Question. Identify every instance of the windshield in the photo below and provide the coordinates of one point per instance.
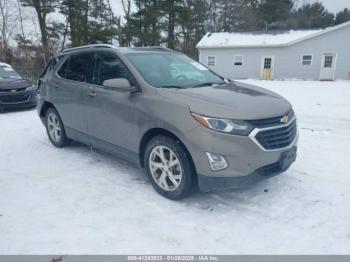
(7, 72)
(172, 70)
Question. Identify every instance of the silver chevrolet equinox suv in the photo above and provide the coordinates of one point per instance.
(157, 108)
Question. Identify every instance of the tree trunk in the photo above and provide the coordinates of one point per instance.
(3, 32)
(127, 12)
(22, 29)
(65, 34)
(43, 27)
(171, 25)
(86, 23)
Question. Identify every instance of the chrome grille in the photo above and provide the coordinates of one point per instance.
(12, 90)
(269, 122)
(14, 99)
(279, 137)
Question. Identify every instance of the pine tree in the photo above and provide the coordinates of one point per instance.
(76, 15)
(235, 15)
(172, 10)
(89, 21)
(249, 16)
(126, 34)
(101, 23)
(229, 15)
(342, 16)
(312, 16)
(193, 23)
(273, 12)
(145, 23)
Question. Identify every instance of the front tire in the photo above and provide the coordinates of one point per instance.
(168, 166)
(55, 129)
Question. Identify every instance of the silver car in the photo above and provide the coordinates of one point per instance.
(159, 109)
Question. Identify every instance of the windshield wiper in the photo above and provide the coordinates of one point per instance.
(208, 84)
(171, 86)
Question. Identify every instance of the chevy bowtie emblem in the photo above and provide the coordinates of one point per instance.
(285, 120)
(13, 91)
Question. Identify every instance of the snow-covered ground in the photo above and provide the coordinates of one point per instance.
(79, 201)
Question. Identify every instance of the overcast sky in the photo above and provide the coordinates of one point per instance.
(332, 5)
(336, 5)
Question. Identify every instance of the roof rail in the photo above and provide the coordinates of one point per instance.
(87, 47)
(158, 48)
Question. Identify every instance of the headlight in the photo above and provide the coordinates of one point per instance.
(237, 127)
(33, 87)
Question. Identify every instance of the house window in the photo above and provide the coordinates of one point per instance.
(238, 60)
(307, 60)
(328, 61)
(268, 63)
(211, 60)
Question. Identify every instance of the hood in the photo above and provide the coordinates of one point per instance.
(231, 101)
(13, 83)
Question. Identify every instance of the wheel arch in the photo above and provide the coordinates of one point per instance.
(161, 131)
(46, 105)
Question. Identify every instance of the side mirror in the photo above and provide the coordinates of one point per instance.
(120, 84)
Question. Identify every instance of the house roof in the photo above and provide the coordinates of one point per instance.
(261, 39)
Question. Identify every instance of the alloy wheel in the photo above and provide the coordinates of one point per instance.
(165, 168)
(54, 127)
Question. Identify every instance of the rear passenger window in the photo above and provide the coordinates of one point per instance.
(78, 67)
(107, 67)
(48, 67)
(63, 69)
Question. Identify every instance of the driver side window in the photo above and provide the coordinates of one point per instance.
(109, 66)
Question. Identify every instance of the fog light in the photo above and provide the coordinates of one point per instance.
(217, 162)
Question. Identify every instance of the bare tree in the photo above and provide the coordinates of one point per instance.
(8, 22)
(65, 33)
(42, 9)
(22, 28)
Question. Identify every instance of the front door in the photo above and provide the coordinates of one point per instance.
(328, 66)
(111, 114)
(267, 66)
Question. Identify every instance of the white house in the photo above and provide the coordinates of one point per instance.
(311, 54)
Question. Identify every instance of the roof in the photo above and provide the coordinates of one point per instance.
(4, 65)
(120, 49)
(68, 50)
(144, 49)
(262, 39)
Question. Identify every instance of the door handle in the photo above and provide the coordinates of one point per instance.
(56, 86)
(92, 94)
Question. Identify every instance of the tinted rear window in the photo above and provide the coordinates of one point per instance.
(77, 67)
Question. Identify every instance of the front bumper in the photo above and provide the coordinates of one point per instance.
(248, 162)
(21, 99)
(208, 183)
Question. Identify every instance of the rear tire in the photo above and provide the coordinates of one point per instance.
(55, 129)
(169, 167)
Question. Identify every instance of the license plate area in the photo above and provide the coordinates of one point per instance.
(288, 158)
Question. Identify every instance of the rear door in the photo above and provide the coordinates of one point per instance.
(111, 114)
(68, 87)
(45, 76)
